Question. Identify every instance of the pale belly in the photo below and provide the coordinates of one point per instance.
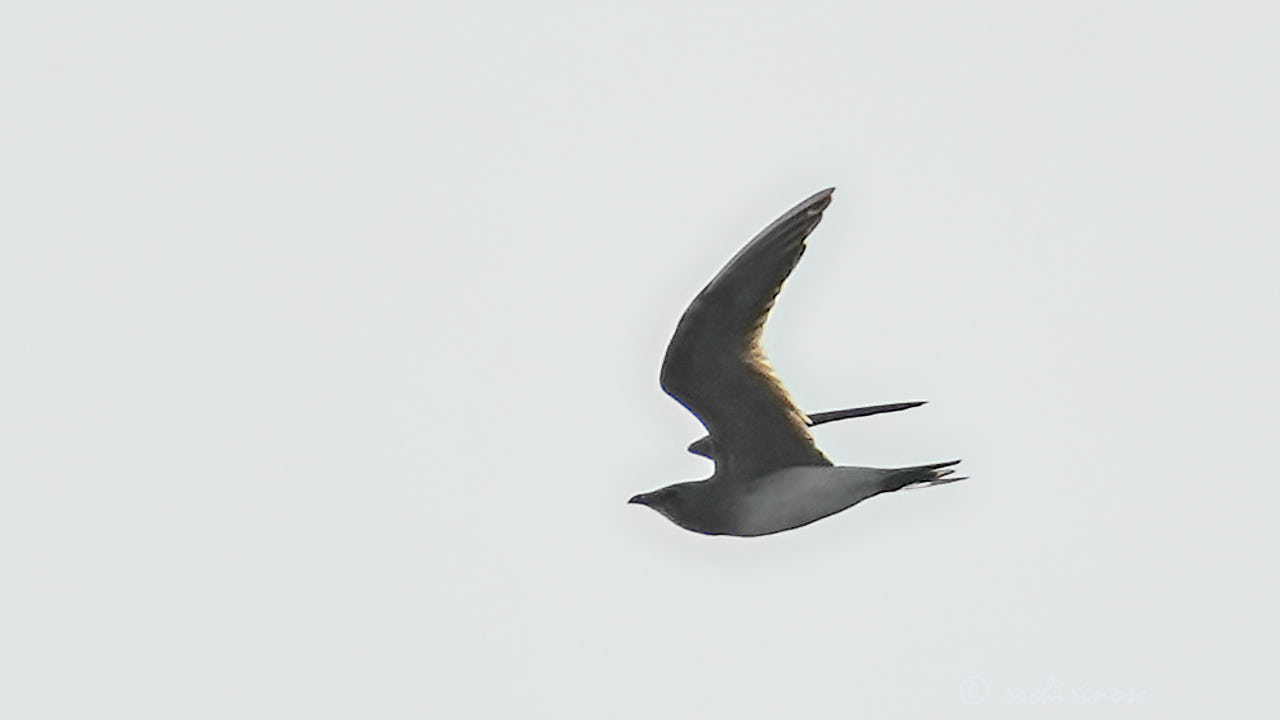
(797, 496)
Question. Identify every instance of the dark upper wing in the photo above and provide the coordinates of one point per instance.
(833, 415)
(716, 368)
(706, 448)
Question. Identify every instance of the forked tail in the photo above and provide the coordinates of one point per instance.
(922, 476)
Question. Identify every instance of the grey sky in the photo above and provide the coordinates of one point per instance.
(332, 339)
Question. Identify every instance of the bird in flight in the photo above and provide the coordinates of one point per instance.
(769, 475)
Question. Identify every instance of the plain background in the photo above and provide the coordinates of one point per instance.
(332, 331)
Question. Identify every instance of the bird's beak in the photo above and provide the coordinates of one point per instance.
(637, 500)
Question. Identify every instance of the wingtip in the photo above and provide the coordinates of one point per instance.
(816, 203)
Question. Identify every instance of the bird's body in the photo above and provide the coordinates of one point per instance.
(769, 476)
(784, 499)
(796, 496)
(789, 498)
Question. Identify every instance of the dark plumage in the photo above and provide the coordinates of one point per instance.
(706, 448)
(769, 475)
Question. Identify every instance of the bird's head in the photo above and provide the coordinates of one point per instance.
(678, 503)
(704, 447)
